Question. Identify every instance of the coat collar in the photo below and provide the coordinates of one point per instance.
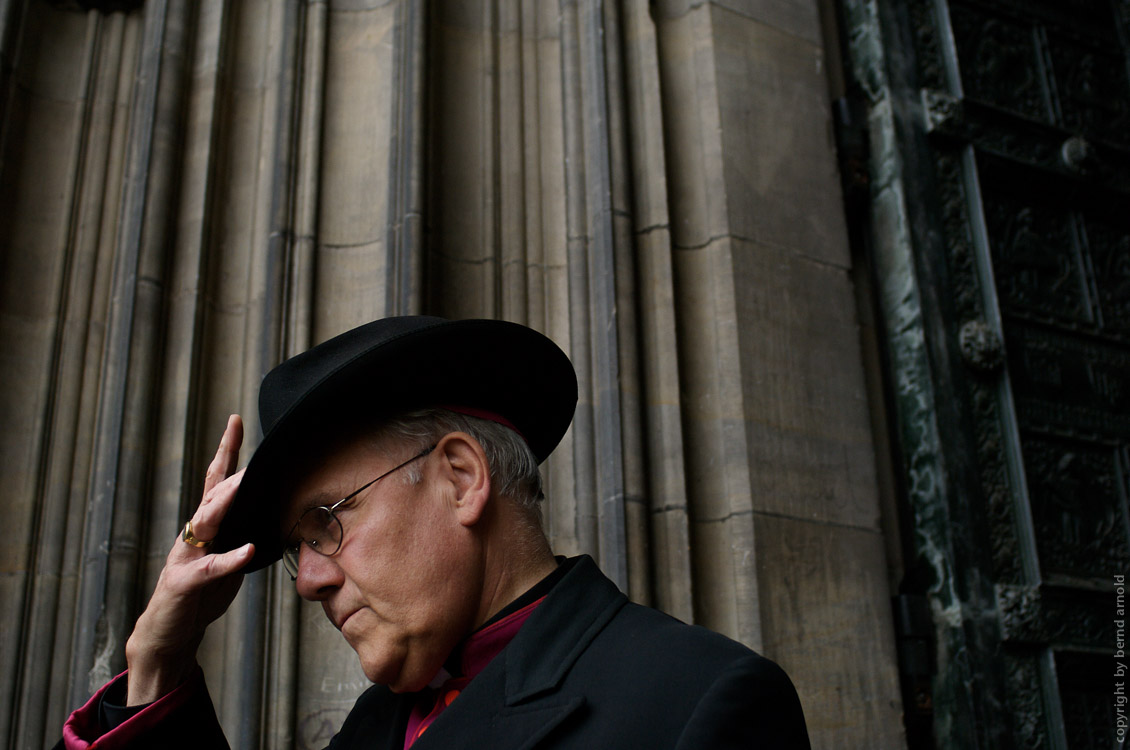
(514, 702)
(559, 631)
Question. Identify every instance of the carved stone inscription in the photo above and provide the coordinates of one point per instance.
(316, 729)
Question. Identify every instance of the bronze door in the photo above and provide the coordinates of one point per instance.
(1013, 124)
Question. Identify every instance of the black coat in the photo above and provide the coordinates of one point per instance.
(591, 671)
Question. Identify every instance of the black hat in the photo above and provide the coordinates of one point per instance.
(385, 368)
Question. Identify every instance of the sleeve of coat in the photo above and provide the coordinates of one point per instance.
(185, 718)
(752, 704)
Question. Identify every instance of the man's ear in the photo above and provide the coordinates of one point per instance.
(463, 463)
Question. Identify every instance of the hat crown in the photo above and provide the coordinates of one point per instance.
(287, 384)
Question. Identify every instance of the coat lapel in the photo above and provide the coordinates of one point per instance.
(516, 701)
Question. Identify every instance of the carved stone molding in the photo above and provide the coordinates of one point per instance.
(1027, 709)
(928, 49)
(982, 351)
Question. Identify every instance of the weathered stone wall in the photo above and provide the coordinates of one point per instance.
(195, 190)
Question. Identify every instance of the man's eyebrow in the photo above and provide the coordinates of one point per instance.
(318, 500)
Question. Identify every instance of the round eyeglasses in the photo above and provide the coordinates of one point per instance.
(320, 528)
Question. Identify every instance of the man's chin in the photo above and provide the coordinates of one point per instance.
(395, 676)
(404, 686)
(398, 689)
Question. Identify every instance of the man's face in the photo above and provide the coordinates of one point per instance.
(405, 586)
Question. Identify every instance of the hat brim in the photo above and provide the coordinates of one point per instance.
(491, 365)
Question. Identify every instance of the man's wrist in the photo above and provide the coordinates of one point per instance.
(112, 709)
(151, 678)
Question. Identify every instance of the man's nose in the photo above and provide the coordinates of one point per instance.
(318, 575)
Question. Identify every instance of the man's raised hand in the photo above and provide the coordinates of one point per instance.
(194, 589)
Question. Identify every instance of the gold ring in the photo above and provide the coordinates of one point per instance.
(189, 539)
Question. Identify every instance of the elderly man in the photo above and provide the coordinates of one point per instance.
(398, 482)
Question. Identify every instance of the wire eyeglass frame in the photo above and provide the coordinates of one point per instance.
(328, 532)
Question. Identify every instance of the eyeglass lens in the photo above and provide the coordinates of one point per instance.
(319, 528)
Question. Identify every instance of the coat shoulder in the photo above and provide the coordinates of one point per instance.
(650, 680)
(653, 637)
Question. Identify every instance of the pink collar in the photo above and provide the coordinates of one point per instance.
(483, 645)
(475, 654)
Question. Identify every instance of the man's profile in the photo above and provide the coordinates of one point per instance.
(398, 483)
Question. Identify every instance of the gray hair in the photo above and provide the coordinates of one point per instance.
(513, 467)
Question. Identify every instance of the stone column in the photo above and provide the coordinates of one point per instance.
(780, 462)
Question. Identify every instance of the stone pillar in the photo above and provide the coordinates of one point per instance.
(780, 459)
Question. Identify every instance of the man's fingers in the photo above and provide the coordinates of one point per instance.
(227, 454)
(221, 483)
(208, 517)
(188, 577)
(214, 567)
